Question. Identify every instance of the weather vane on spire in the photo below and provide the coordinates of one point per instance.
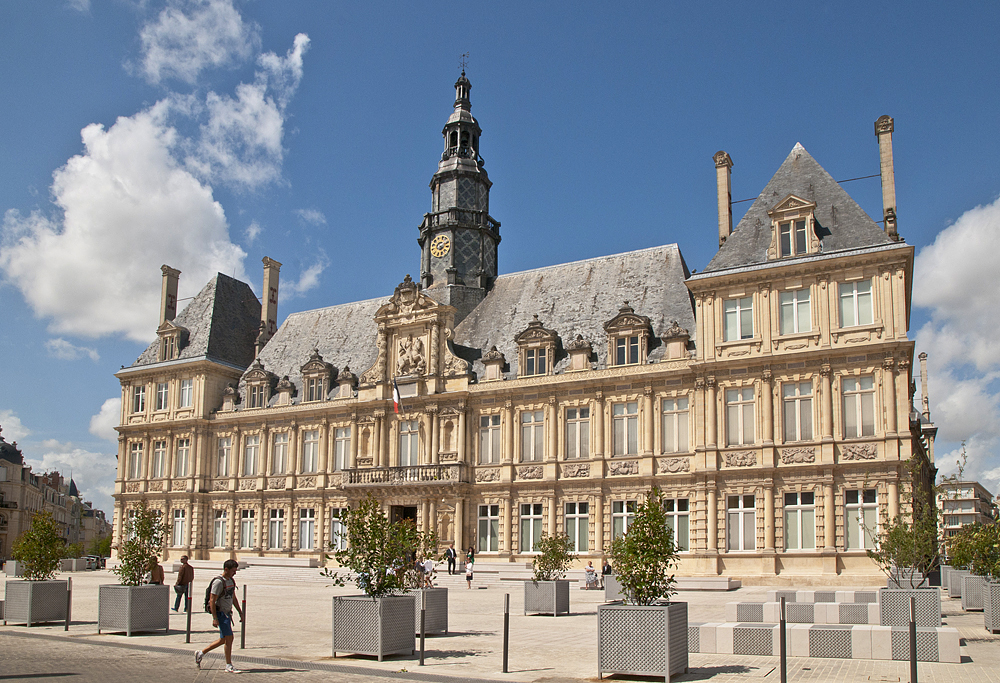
(463, 61)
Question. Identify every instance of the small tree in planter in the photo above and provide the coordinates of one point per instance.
(646, 634)
(547, 593)
(978, 547)
(131, 606)
(378, 556)
(38, 598)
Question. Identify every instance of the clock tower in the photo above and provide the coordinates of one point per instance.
(458, 238)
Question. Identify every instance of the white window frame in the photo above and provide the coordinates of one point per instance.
(183, 454)
(535, 361)
(531, 521)
(186, 395)
(577, 432)
(248, 528)
(223, 456)
(338, 532)
(276, 529)
(797, 411)
(577, 525)
(279, 456)
(219, 529)
(135, 460)
(794, 311)
(310, 451)
(490, 439)
(341, 448)
(796, 228)
(488, 527)
(162, 396)
(532, 435)
(622, 516)
(741, 523)
(676, 433)
(860, 518)
(737, 316)
(741, 428)
(307, 528)
(138, 399)
(625, 428)
(678, 512)
(409, 443)
(251, 455)
(627, 350)
(159, 460)
(858, 402)
(177, 535)
(315, 389)
(800, 516)
(257, 396)
(857, 305)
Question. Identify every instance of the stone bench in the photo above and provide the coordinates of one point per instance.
(804, 612)
(870, 595)
(843, 641)
(707, 583)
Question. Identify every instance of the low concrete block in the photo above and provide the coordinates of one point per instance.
(707, 637)
(805, 596)
(824, 611)
(861, 642)
(949, 645)
(724, 639)
(798, 640)
(874, 613)
(845, 596)
(881, 642)
(772, 612)
(776, 595)
(731, 611)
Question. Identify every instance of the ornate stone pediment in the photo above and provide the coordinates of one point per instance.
(406, 300)
(316, 366)
(536, 332)
(627, 320)
(675, 331)
(579, 344)
(257, 374)
(791, 203)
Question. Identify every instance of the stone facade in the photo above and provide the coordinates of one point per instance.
(768, 395)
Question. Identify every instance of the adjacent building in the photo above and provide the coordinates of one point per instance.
(962, 503)
(767, 395)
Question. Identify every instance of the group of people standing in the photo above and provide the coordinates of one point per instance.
(470, 560)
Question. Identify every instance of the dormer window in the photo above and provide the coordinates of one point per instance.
(257, 397)
(627, 350)
(793, 224)
(315, 377)
(258, 385)
(628, 337)
(168, 348)
(534, 361)
(173, 338)
(536, 349)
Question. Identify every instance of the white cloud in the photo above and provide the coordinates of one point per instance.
(252, 232)
(12, 427)
(311, 216)
(190, 36)
(79, 5)
(63, 350)
(103, 424)
(953, 281)
(94, 473)
(308, 279)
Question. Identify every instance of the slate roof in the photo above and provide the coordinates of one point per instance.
(10, 453)
(841, 223)
(222, 323)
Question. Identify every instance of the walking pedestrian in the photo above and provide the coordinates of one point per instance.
(451, 555)
(155, 572)
(185, 579)
(222, 591)
(428, 573)
(468, 572)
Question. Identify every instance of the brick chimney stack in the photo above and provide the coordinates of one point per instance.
(925, 404)
(723, 164)
(883, 131)
(168, 293)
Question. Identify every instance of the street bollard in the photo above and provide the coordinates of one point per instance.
(243, 621)
(913, 640)
(423, 617)
(187, 605)
(506, 628)
(782, 645)
(69, 601)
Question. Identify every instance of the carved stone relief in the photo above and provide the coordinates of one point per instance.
(364, 462)
(220, 485)
(155, 486)
(448, 457)
(741, 459)
(336, 479)
(376, 373)
(530, 472)
(132, 487)
(178, 485)
(576, 470)
(276, 483)
(248, 484)
(671, 465)
(791, 456)
(411, 359)
(622, 467)
(488, 475)
(861, 451)
(307, 483)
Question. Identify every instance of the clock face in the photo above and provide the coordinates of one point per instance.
(440, 246)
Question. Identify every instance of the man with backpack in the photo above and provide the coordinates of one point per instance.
(220, 602)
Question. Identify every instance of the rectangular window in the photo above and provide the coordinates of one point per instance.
(247, 529)
(795, 316)
(532, 435)
(135, 461)
(627, 350)
(225, 448)
(167, 348)
(859, 406)
(314, 389)
(310, 450)
(257, 396)
(675, 425)
(279, 458)
(307, 528)
(856, 303)
(622, 514)
(738, 318)
(860, 518)
(797, 402)
(181, 458)
(219, 529)
(489, 439)
(793, 238)
(409, 439)
(489, 528)
(739, 417)
(578, 432)
(159, 459)
(177, 537)
(800, 521)
(276, 530)
(534, 361)
(741, 523)
(338, 532)
(625, 427)
(187, 394)
(162, 392)
(531, 526)
(138, 399)
(678, 519)
(341, 448)
(251, 453)
(578, 526)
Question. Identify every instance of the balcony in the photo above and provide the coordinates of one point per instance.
(404, 476)
(455, 216)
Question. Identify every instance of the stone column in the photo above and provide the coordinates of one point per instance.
(198, 467)
(267, 456)
(647, 421)
(893, 502)
(434, 516)
(147, 456)
(169, 464)
(461, 436)
(354, 442)
(506, 528)
(889, 395)
(828, 517)
(767, 404)
(552, 451)
(598, 421)
(377, 440)
(769, 518)
(459, 525)
(826, 403)
(552, 515)
(713, 517)
(507, 417)
(386, 443)
(435, 428)
(293, 448)
(324, 446)
(321, 530)
(425, 513)
(711, 424)
(598, 516)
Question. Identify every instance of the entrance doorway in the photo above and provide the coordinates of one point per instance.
(400, 512)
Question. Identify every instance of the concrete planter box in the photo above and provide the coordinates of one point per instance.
(133, 609)
(373, 626)
(906, 577)
(955, 577)
(612, 589)
(894, 606)
(435, 602)
(973, 588)
(991, 606)
(546, 597)
(13, 568)
(642, 640)
(35, 602)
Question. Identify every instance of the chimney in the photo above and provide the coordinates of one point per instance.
(883, 131)
(925, 404)
(168, 293)
(723, 162)
(269, 307)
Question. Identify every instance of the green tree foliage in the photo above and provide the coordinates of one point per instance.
(40, 548)
(378, 552)
(555, 554)
(961, 546)
(977, 547)
(902, 545)
(100, 546)
(73, 550)
(645, 555)
(144, 534)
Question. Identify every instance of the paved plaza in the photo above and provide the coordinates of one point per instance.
(289, 626)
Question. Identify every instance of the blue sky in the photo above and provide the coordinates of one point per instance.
(208, 133)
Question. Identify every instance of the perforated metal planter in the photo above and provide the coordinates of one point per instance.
(133, 609)
(13, 568)
(612, 588)
(35, 602)
(373, 626)
(435, 602)
(991, 606)
(894, 606)
(955, 577)
(546, 597)
(642, 640)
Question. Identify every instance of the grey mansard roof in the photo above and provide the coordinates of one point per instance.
(842, 224)
(222, 323)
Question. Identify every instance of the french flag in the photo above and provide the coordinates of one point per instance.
(397, 402)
